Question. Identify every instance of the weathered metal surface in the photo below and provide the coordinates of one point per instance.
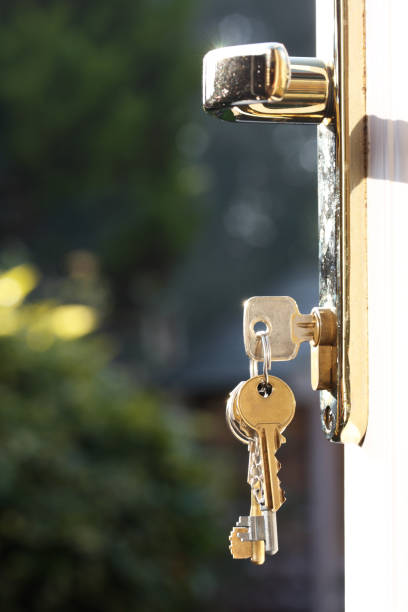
(329, 251)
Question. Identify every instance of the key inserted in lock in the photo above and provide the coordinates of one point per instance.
(287, 328)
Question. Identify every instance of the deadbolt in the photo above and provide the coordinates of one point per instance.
(261, 83)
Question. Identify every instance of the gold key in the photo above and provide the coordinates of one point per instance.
(269, 415)
(240, 549)
(247, 538)
(240, 545)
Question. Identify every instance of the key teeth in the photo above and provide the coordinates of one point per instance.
(243, 521)
(283, 493)
(282, 439)
(278, 467)
(278, 479)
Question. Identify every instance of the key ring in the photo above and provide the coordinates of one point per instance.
(267, 357)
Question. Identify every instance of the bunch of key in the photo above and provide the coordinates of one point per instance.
(258, 411)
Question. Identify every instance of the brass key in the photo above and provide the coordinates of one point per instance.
(287, 327)
(256, 534)
(268, 416)
(241, 546)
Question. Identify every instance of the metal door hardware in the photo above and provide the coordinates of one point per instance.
(287, 328)
(262, 83)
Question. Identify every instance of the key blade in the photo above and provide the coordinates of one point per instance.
(270, 441)
(258, 552)
(304, 328)
(271, 532)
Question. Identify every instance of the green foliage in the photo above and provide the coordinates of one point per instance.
(104, 504)
(92, 96)
(102, 498)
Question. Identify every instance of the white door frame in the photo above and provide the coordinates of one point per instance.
(376, 476)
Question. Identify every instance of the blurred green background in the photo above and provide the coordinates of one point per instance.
(132, 227)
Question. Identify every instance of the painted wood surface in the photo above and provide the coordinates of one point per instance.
(376, 475)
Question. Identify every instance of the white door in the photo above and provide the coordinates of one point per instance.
(376, 475)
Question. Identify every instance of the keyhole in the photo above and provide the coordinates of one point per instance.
(260, 326)
(264, 389)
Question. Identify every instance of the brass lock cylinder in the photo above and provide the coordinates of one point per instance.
(323, 355)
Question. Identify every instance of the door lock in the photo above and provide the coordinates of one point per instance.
(262, 83)
(286, 329)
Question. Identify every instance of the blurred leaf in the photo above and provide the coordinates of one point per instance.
(103, 503)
